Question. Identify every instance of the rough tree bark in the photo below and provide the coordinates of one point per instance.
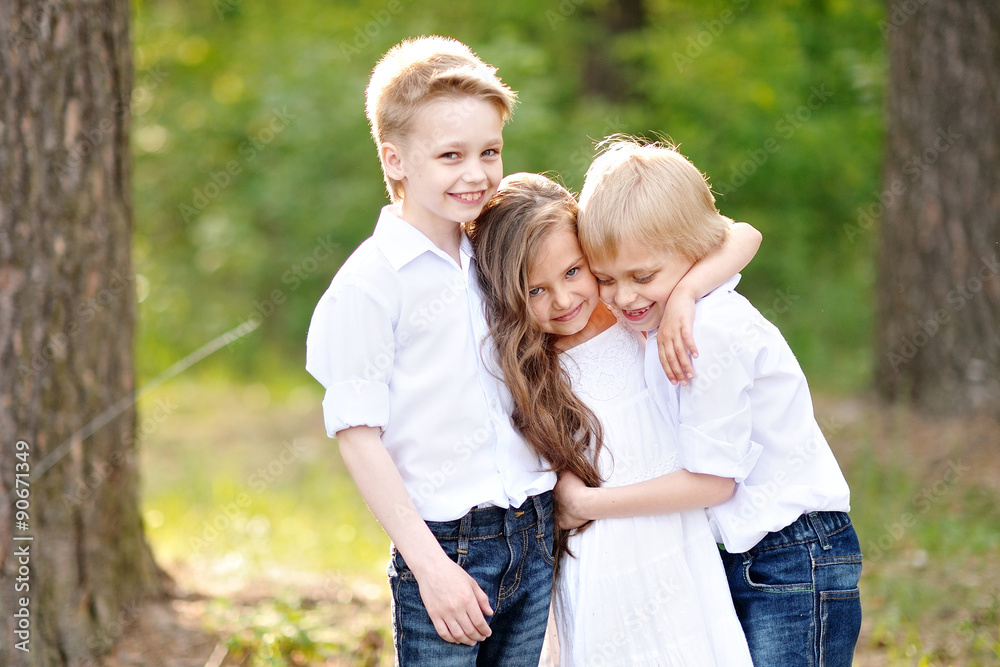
(938, 312)
(66, 328)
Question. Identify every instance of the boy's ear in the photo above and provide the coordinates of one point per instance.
(392, 160)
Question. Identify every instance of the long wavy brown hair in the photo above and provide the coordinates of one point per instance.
(506, 237)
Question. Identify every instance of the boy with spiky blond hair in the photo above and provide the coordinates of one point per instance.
(423, 424)
(791, 554)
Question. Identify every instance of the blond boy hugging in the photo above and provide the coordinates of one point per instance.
(791, 555)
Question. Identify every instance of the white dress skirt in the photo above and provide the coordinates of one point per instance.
(646, 590)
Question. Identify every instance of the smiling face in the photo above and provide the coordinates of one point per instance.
(449, 164)
(638, 281)
(562, 291)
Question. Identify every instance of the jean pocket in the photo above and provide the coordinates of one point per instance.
(399, 568)
(840, 625)
(545, 545)
(838, 573)
(786, 569)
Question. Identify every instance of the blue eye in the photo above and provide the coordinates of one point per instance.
(450, 156)
(535, 291)
(572, 272)
(491, 152)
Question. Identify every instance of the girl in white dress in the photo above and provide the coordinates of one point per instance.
(643, 584)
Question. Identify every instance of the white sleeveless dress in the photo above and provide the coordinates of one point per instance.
(640, 591)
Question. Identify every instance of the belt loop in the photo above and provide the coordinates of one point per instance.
(539, 522)
(464, 530)
(817, 525)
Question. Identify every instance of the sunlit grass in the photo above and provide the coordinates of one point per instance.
(929, 525)
(242, 480)
(236, 474)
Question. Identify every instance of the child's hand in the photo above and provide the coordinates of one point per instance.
(455, 603)
(674, 338)
(570, 494)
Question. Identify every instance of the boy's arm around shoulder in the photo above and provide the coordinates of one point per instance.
(675, 337)
(715, 410)
(453, 599)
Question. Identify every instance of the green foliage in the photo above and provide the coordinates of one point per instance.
(255, 175)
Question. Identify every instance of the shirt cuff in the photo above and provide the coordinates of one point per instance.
(701, 453)
(355, 403)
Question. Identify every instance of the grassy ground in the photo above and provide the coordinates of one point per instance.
(248, 506)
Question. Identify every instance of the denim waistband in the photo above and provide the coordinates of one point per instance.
(807, 528)
(485, 522)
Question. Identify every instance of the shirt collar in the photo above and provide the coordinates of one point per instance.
(401, 242)
(727, 286)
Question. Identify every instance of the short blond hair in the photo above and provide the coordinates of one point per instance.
(651, 194)
(421, 70)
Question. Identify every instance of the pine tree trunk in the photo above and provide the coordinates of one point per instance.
(938, 318)
(75, 563)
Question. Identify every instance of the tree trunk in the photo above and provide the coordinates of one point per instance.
(604, 75)
(938, 317)
(74, 560)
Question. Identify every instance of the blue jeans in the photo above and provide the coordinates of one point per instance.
(509, 554)
(796, 593)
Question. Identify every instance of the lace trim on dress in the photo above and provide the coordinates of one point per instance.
(600, 370)
(668, 464)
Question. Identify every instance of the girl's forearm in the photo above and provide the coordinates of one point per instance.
(678, 491)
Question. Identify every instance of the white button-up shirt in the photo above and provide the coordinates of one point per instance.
(398, 341)
(748, 415)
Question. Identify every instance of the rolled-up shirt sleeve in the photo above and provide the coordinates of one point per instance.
(716, 425)
(349, 349)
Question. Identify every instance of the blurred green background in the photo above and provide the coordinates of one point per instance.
(255, 174)
(255, 177)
